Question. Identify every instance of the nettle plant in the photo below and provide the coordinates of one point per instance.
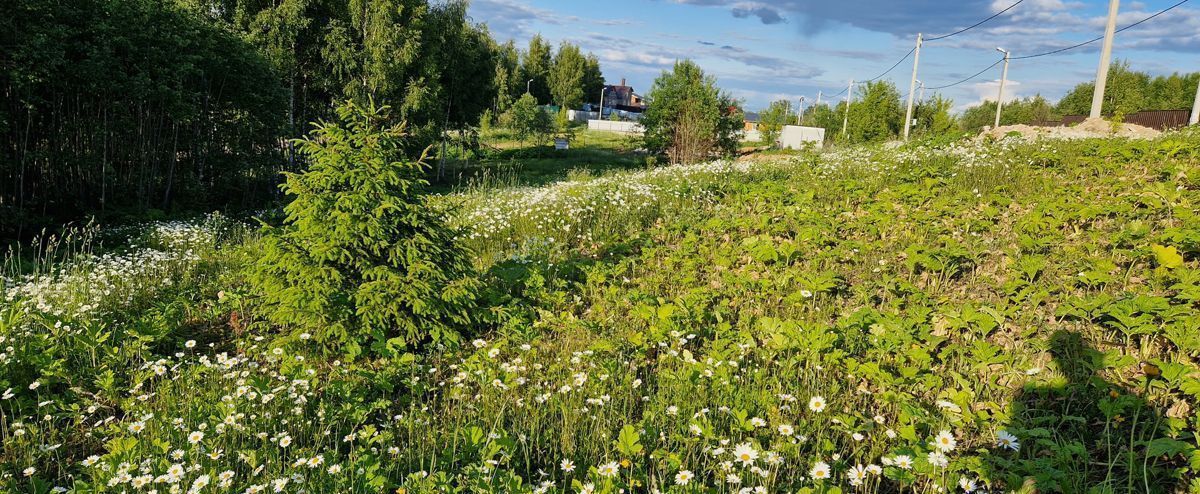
(363, 260)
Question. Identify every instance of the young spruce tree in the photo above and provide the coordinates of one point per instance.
(362, 261)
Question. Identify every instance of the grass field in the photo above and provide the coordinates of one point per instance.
(506, 161)
(974, 317)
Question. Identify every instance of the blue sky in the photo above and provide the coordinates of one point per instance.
(784, 49)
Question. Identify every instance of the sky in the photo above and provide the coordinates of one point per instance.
(761, 51)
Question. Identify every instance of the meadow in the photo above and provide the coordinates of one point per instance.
(974, 316)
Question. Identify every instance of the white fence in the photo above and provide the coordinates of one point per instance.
(622, 127)
(795, 137)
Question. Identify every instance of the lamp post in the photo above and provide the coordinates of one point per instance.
(601, 112)
(527, 83)
(1003, 79)
(800, 111)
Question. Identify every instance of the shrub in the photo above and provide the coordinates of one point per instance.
(689, 118)
(362, 258)
(531, 122)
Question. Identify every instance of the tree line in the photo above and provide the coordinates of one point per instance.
(136, 107)
(877, 112)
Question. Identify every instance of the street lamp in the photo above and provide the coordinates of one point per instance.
(602, 91)
(800, 111)
(527, 85)
(1003, 78)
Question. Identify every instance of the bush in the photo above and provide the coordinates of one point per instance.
(689, 118)
(362, 258)
(531, 122)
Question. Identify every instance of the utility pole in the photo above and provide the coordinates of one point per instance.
(921, 98)
(849, 98)
(602, 91)
(1003, 79)
(912, 87)
(1110, 32)
(818, 99)
(1195, 109)
(800, 111)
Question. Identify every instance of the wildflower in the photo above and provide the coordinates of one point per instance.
(745, 453)
(34, 385)
(785, 430)
(806, 293)
(938, 459)
(949, 405)
(279, 484)
(479, 343)
(874, 469)
(587, 488)
(945, 442)
(857, 475)
(683, 477)
(190, 344)
(967, 485)
(137, 427)
(672, 410)
(695, 429)
(816, 404)
(285, 441)
(200, 483)
(91, 460)
(334, 469)
(820, 471)
(195, 437)
(29, 471)
(609, 469)
(567, 466)
(758, 422)
(904, 462)
(1005, 439)
(858, 436)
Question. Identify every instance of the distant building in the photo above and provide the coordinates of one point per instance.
(623, 97)
(751, 121)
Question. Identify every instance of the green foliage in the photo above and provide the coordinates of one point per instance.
(566, 77)
(124, 106)
(362, 259)
(1129, 91)
(689, 118)
(1023, 111)
(876, 114)
(777, 115)
(536, 64)
(530, 121)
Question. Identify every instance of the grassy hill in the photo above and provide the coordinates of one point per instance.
(977, 316)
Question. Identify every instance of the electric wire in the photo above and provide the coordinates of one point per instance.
(1024, 57)
(977, 24)
(1085, 43)
(977, 74)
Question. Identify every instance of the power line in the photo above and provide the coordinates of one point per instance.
(1025, 57)
(977, 24)
(977, 74)
(888, 71)
(1085, 43)
(880, 76)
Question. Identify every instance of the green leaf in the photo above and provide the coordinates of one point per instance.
(628, 442)
(1167, 257)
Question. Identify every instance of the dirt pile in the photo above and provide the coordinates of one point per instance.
(1090, 128)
